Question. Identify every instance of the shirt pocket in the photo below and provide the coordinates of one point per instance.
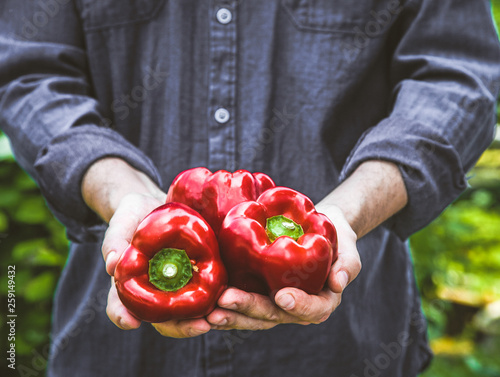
(102, 14)
(329, 16)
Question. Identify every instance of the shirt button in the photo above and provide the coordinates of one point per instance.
(224, 16)
(221, 115)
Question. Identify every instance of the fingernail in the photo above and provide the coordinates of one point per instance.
(110, 257)
(343, 278)
(229, 306)
(286, 301)
(222, 322)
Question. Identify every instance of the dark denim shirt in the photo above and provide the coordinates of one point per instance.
(301, 90)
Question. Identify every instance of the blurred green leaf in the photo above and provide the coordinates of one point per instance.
(495, 7)
(25, 182)
(23, 346)
(482, 198)
(26, 250)
(34, 320)
(9, 197)
(4, 222)
(41, 287)
(36, 252)
(32, 210)
(21, 279)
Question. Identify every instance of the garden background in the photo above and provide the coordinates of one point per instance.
(457, 264)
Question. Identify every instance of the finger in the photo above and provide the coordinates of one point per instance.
(132, 209)
(118, 313)
(222, 319)
(347, 266)
(253, 305)
(305, 307)
(183, 328)
(117, 238)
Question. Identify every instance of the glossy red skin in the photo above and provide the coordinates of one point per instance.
(171, 225)
(214, 194)
(255, 264)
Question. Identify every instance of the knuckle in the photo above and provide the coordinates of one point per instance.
(305, 312)
(357, 266)
(230, 321)
(271, 316)
(115, 318)
(320, 318)
(188, 332)
(356, 260)
(324, 318)
(246, 305)
(106, 245)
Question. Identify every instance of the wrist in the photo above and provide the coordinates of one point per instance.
(107, 181)
(370, 195)
(339, 218)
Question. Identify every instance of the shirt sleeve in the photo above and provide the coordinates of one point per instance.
(48, 112)
(445, 76)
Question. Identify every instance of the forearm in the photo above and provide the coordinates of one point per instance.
(373, 192)
(109, 180)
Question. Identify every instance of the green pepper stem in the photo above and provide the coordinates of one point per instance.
(170, 270)
(280, 225)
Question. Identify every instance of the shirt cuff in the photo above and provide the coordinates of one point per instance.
(430, 166)
(60, 167)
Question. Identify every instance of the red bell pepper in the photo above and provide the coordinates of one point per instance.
(277, 241)
(213, 195)
(172, 268)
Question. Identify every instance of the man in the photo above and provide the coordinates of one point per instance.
(374, 109)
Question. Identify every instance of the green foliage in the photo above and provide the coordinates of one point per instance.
(457, 259)
(495, 9)
(462, 250)
(35, 243)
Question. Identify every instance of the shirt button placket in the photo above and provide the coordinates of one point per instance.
(222, 86)
(221, 119)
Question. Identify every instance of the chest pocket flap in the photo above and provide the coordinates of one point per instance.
(101, 14)
(339, 16)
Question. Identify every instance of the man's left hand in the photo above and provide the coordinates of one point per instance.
(242, 310)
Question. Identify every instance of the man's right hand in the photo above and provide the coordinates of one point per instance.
(123, 196)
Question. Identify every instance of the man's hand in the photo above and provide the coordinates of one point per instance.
(373, 193)
(123, 196)
(242, 310)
